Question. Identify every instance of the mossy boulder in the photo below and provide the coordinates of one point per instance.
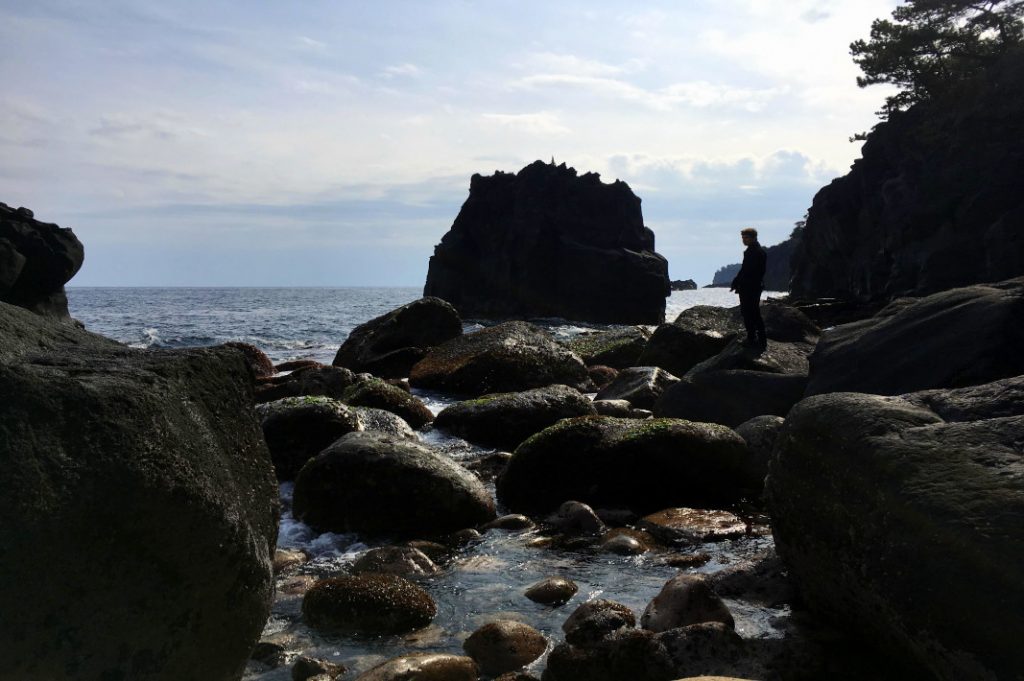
(640, 386)
(368, 604)
(368, 391)
(317, 379)
(616, 348)
(297, 428)
(731, 397)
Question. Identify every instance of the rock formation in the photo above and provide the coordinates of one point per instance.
(36, 260)
(935, 201)
(545, 242)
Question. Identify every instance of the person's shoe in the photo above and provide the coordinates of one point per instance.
(762, 341)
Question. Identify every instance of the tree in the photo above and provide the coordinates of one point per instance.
(932, 45)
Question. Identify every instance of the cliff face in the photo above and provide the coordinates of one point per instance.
(545, 242)
(36, 260)
(935, 202)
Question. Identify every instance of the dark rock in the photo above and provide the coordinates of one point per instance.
(37, 259)
(601, 375)
(623, 543)
(298, 428)
(708, 648)
(309, 667)
(934, 202)
(776, 358)
(644, 465)
(386, 422)
(463, 537)
(683, 285)
(368, 391)
(595, 620)
(692, 525)
(292, 365)
(368, 604)
(512, 522)
(381, 485)
(574, 518)
(619, 408)
(787, 323)
(762, 579)
(516, 676)
(504, 646)
(137, 483)
(257, 359)
(760, 434)
(404, 561)
(951, 339)
(685, 599)
(314, 380)
(547, 243)
(271, 654)
(696, 334)
(625, 655)
(901, 520)
(436, 551)
(508, 357)
(489, 466)
(504, 420)
(423, 667)
(388, 345)
(616, 348)
(640, 386)
(731, 397)
(552, 591)
(286, 559)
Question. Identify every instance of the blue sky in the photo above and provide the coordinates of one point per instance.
(324, 143)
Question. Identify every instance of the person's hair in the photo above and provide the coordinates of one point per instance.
(748, 231)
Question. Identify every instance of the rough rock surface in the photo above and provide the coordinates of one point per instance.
(731, 397)
(696, 334)
(504, 646)
(760, 434)
(261, 364)
(692, 525)
(508, 357)
(616, 348)
(902, 520)
(605, 461)
(934, 202)
(382, 485)
(684, 600)
(951, 339)
(640, 386)
(548, 243)
(368, 391)
(504, 420)
(595, 620)
(368, 604)
(404, 561)
(36, 260)
(139, 508)
(298, 428)
(318, 379)
(388, 345)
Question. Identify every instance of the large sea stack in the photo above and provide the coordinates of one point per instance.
(934, 203)
(545, 242)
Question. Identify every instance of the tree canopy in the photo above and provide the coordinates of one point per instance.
(931, 45)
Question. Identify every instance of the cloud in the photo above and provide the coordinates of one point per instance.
(401, 71)
(307, 43)
(541, 123)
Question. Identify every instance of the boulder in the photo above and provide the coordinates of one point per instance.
(311, 380)
(644, 465)
(552, 591)
(382, 485)
(506, 419)
(36, 260)
(509, 357)
(388, 345)
(368, 391)
(692, 525)
(368, 604)
(139, 510)
(504, 646)
(624, 655)
(760, 434)
(386, 422)
(640, 386)
(423, 667)
(951, 339)
(575, 518)
(777, 358)
(615, 348)
(548, 243)
(261, 365)
(696, 334)
(309, 668)
(901, 520)
(298, 428)
(404, 561)
(601, 375)
(708, 648)
(731, 397)
(685, 599)
(596, 620)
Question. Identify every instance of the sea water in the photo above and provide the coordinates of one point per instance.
(486, 580)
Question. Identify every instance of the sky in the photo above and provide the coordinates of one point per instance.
(331, 143)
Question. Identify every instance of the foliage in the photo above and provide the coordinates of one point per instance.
(930, 46)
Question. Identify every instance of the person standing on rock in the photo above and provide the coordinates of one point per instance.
(748, 283)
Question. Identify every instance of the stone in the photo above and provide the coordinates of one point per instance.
(762, 579)
(315, 380)
(504, 646)
(708, 648)
(685, 599)
(731, 397)
(548, 243)
(777, 358)
(595, 620)
(37, 259)
(368, 391)
(698, 333)
(623, 545)
(286, 559)
(683, 285)
(306, 668)
(504, 420)
(261, 365)
(378, 485)
(509, 357)
(386, 422)
(298, 428)
(960, 337)
(624, 655)
(293, 364)
(368, 604)
(615, 348)
(574, 518)
(901, 521)
(552, 591)
(404, 561)
(619, 408)
(642, 465)
(489, 466)
(760, 434)
(693, 525)
(423, 667)
(387, 346)
(135, 482)
(512, 522)
(640, 386)
(516, 676)
(601, 375)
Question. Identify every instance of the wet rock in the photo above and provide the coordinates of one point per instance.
(463, 537)
(504, 420)
(368, 604)
(512, 522)
(436, 551)
(623, 545)
(685, 599)
(696, 334)
(489, 466)
(298, 428)
(306, 668)
(368, 391)
(574, 517)
(761, 579)
(296, 585)
(616, 348)
(509, 357)
(388, 345)
(270, 654)
(404, 561)
(423, 667)
(687, 560)
(595, 620)
(863, 486)
(644, 465)
(552, 591)
(516, 676)
(380, 485)
(315, 380)
(285, 559)
(709, 648)
(760, 434)
(504, 646)
(693, 525)
(386, 422)
(38, 258)
(617, 408)
(624, 655)
(295, 364)
(731, 397)
(641, 386)
(600, 375)
(257, 359)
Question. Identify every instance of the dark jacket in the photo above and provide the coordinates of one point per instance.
(751, 274)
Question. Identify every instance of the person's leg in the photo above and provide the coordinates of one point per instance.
(748, 308)
(762, 338)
